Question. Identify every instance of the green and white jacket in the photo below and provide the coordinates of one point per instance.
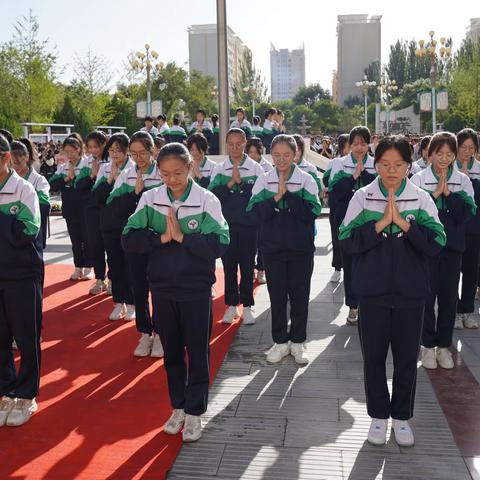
(309, 168)
(41, 186)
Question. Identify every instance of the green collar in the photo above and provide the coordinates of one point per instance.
(149, 170)
(10, 173)
(124, 164)
(185, 195)
(399, 191)
(204, 161)
(292, 169)
(242, 162)
(29, 171)
(449, 174)
(460, 164)
(354, 160)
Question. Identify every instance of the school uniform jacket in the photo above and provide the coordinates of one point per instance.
(206, 169)
(123, 200)
(473, 225)
(309, 168)
(342, 185)
(265, 164)
(391, 267)
(245, 125)
(234, 202)
(205, 128)
(456, 209)
(214, 141)
(85, 183)
(268, 133)
(177, 134)
(418, 166)
(177, 271)
(257, 131)
(20, 258)
(286, 228)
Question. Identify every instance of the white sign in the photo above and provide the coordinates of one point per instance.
(157, 108)
(426, 102)
(442, 100)
(141, 109)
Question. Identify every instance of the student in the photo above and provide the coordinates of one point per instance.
(279, 119)
(150, 127)
(232, 182)
(23, 156)
(21, 269)
(303, 164)
(257, 130)
(96, 142)
(254, 150)
(453, 194)
(64, 181)
(177, 133)
(163, 128)
(343, 150)
(242, 122)
(202, 166)
(391, 228)
(466, 163)
(285, 203)
(349, 174)
(214, 139)
(180, 227)
(269, 126)
(158, 142)
(201, 125)
(422, 163)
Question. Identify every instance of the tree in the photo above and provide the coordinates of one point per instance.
(92, 72)
(250, 85)
(397, 63)
(373, 73)
(308, 95)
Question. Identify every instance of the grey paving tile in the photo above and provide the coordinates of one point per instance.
(197, 460)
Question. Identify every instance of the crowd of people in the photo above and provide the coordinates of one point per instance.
(150, 214)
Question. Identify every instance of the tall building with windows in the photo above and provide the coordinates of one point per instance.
(287, 72)
(203, 56)
(473, 32)
(358, 45)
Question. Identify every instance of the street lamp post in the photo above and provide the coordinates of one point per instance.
(366, 84)
(146, 62)
(252, 94)
(386, 87)
(430, 50)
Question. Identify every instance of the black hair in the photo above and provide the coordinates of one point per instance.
(465, 134)
(199, 140)
(162, 117)
(4, 145)
(18, 148)
(237, 131)
(214, 120)
(176, 120)
(270, 111)
(343, 140)
(359, 131)
(159, 141)
(440, 139)
(177, 150)
(32, 150)
(200, 110)
(74, 140)
(424, 143)
(241, 110)
(256, 143)
(148, 118)
(100, 139)
(144, 138)
(256, 120)
(287, 139)
(300, 143)
(121, 139)
(399, 143)
(7, 134)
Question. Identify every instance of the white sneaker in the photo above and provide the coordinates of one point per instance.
(248, 318)
(144, 346)
(377, 434)
(175, 422)
(230, 314)
(459, 318)
(157, 348)
(14, 345)
(299, 353)
(192, 429)
(470, 321)
(77, 274)
(6, 405)
(429, 359)
(88, 274)
(403, 433)
(277, 352)
(444, 358)
(130, 314)
(261, 277)
(21, 412)
(98, 287)
(336, 276)
(118, 312)
(352, 318)
(109, 287)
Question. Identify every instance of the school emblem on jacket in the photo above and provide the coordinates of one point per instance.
(14, 209)
(192, 224)
(250, 181)
(410, 217)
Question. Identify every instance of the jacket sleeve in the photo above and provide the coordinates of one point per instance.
(264, 210)
(362, 239)
(124, 205)
(300, 208)
(459, 209)
(141, 241)
(204, 182)
(101, 192)
(423, 239)
(204, 246)
(84, 184)
(367, 177)
(344, 187)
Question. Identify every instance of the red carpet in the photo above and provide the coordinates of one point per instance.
(101, 410)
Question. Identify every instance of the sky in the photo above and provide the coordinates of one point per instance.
(113, 28)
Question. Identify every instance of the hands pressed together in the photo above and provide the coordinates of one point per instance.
(442, 186)
(392, 215)
(173, 231)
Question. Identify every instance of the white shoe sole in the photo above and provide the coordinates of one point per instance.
(192, 439)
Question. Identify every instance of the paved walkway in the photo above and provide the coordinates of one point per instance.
(284, 422)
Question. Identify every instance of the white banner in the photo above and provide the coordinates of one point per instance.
(442, 100)
(157, 108)
(426, 102)
(141, 109)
